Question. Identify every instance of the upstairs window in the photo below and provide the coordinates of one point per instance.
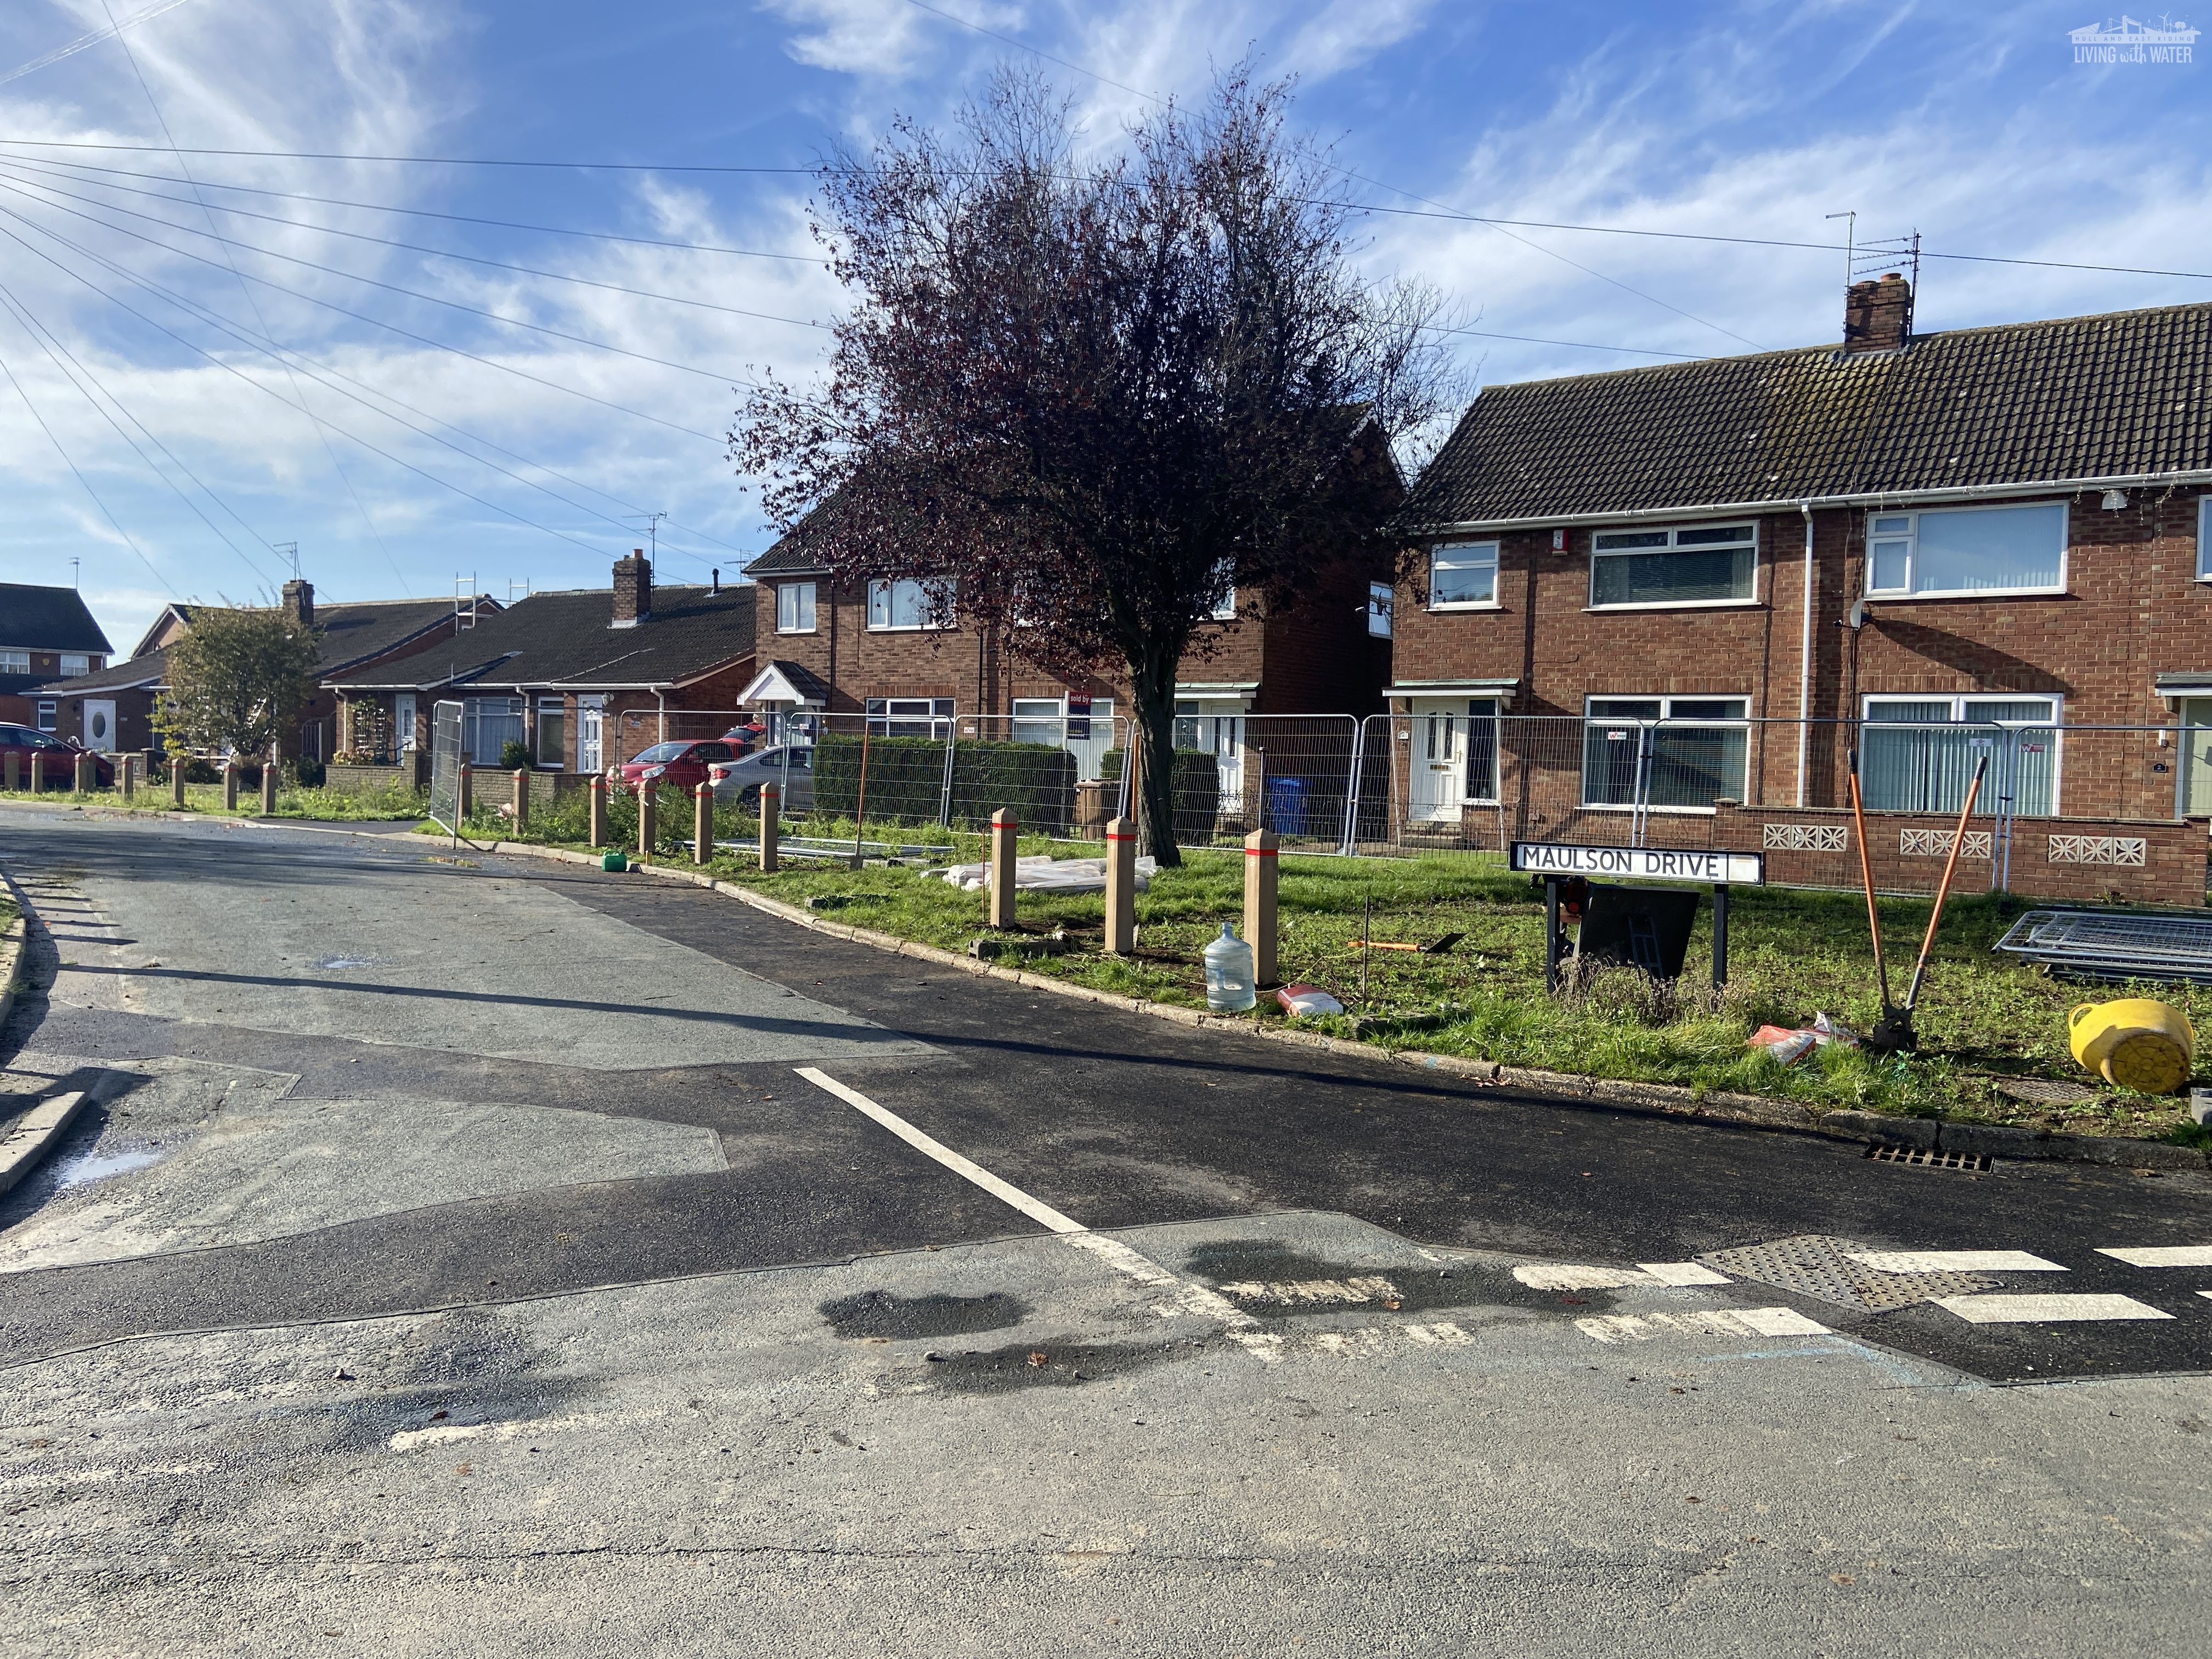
(2204, 540)
(75, 663)
(1697, 564)
(15, 662)
(1380, 602)
(1463, 574)
(907, 604)
(1964, 551)
(794, 608)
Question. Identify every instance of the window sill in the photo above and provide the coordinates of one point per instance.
(1677, 604)
(911, 628)
(1971, 594)
(1467, 605)
(792, 633)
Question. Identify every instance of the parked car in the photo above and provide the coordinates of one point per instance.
(676, 765)
(61, 757)
(740, 781)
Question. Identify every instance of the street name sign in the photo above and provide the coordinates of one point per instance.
(1551, 858)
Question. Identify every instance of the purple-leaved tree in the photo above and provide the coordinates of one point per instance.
(1088, 392)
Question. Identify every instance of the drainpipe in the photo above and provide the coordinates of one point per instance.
(661, 697)
(1805, 660)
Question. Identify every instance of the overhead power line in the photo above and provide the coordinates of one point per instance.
(363, 317)
(412, 160)
(51, 167)
(363, 236)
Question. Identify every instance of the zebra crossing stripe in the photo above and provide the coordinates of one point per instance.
(2162, 1255)
(2031, 1309)
(1682, 1272)
(1953, 1261)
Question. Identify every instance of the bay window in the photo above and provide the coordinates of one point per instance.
(1695, 564)
(1954, 551)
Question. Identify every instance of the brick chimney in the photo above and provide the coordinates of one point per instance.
(1878, 316)
(300, 601)
(633, 589)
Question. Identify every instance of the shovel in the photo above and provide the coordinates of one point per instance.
(1892, 1033)
(1434, 948)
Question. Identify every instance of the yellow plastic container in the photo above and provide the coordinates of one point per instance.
(2138, 1043)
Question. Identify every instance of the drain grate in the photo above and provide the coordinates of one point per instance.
(1882, 1151)
(1819, 1266)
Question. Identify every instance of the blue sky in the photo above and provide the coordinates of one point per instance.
(1973, 126)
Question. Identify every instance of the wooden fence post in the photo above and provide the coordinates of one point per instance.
(521, 800)
(771, 802)
(177, 767)
(703, 822)
(599, 811)
(38, 771)
(1260, 849)
(11, 771)
(229, 783)
(465, 799)
(1120, 886)
(1003, 828)
(268, 788)
(648, 819)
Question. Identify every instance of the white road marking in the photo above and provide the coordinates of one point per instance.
(1443, 1334)
(1244, 1329)
(1034, 1208)
(1995, 1310)
(1709, 1322)
(1682, 1272)
(1372, 1288)
(1954, 1261)
(1570, 1276)
(2164, 1255)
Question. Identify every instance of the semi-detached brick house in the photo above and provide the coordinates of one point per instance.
(879, 648)
(582, 679)
(1987, 530)
(356, 635)
(47, 636)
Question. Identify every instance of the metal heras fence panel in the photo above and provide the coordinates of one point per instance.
(445, 766)
(953, 771)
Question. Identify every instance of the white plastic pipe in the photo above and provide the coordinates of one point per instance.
(1805, 660)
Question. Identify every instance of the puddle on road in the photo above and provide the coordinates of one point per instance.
(878, 1313)
(97, 1164)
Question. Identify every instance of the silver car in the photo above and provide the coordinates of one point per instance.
(790, 767)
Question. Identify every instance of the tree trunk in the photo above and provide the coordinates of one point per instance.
(1153, 685)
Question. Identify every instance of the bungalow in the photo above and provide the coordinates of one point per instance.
(47, 635)
(1718, 578)
(580, 679)
(114, 708)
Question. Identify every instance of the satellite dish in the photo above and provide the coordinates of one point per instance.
(1856, 618)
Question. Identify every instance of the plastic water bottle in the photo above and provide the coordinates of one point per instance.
(1230, 987)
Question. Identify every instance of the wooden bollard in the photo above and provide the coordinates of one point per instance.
(127, 766)
(521, 800)
(269, 789)
(177, 766)
(38, 771)
(464, 799)
(11, 771)
(1120, 886)
(771, 804)
(88, 774)
(1004, 826)
(1260, 849)
(598, 810)
(648, 814)
(703, 822)
(230, 786)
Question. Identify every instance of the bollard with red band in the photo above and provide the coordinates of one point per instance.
(1120, 886)
(1003, 826)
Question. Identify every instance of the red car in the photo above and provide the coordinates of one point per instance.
(679, 766)
(61, 758)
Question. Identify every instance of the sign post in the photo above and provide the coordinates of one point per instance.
(1560, 861)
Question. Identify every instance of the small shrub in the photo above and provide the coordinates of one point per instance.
(514, 756)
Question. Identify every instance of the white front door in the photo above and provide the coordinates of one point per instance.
(403, 722)
(1217, 726)
(1438, 783)
(589, 718)
(99, 724)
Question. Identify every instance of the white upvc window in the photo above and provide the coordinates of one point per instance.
(1224, 597)
(1671, 754)
(905, 603)
(1951, 552)
(909, 717)
(1916, 754)
(1462, 575)
(1687, 565)
(2204, 539)
(15, 662)
(49, 716)
(794, 607)
(1382, 600)
(75, 663)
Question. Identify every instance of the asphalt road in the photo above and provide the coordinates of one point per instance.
(461, 1238)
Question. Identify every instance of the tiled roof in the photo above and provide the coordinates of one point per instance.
(129, 674)
(785, 559)
(49, 619)
(567, 639)
(352, 632)
(2121, 395)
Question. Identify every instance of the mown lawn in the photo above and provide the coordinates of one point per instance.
(292, 802)
(1982, 1017)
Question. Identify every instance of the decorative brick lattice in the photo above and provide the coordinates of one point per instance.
(2098, 849)
(1936, 843)
(1803, 838)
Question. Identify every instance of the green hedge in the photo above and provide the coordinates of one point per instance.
(906, 782)
(1197, 791)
